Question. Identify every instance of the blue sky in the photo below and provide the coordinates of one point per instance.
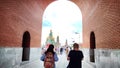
(65, 20)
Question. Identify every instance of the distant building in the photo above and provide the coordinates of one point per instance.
(50, 40)
(57, 43)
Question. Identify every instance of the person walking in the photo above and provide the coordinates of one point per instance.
(49, 57)
(75, 57)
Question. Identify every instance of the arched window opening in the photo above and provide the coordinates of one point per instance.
(26, 46)
(92, 47)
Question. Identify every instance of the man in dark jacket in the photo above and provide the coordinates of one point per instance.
(75, 57)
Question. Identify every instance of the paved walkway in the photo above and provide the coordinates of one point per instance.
(62, 63)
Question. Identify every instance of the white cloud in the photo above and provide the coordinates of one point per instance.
(62, 15)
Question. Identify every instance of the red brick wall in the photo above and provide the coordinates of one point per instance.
(100, 16)
(18, 16)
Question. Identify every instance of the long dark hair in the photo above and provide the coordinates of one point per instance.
(50, 49)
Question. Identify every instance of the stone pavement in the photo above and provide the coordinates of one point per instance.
(62, 63)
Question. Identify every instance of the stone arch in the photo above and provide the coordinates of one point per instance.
(92, 46)
(26, 46)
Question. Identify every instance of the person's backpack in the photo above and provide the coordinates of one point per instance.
(49, 60)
